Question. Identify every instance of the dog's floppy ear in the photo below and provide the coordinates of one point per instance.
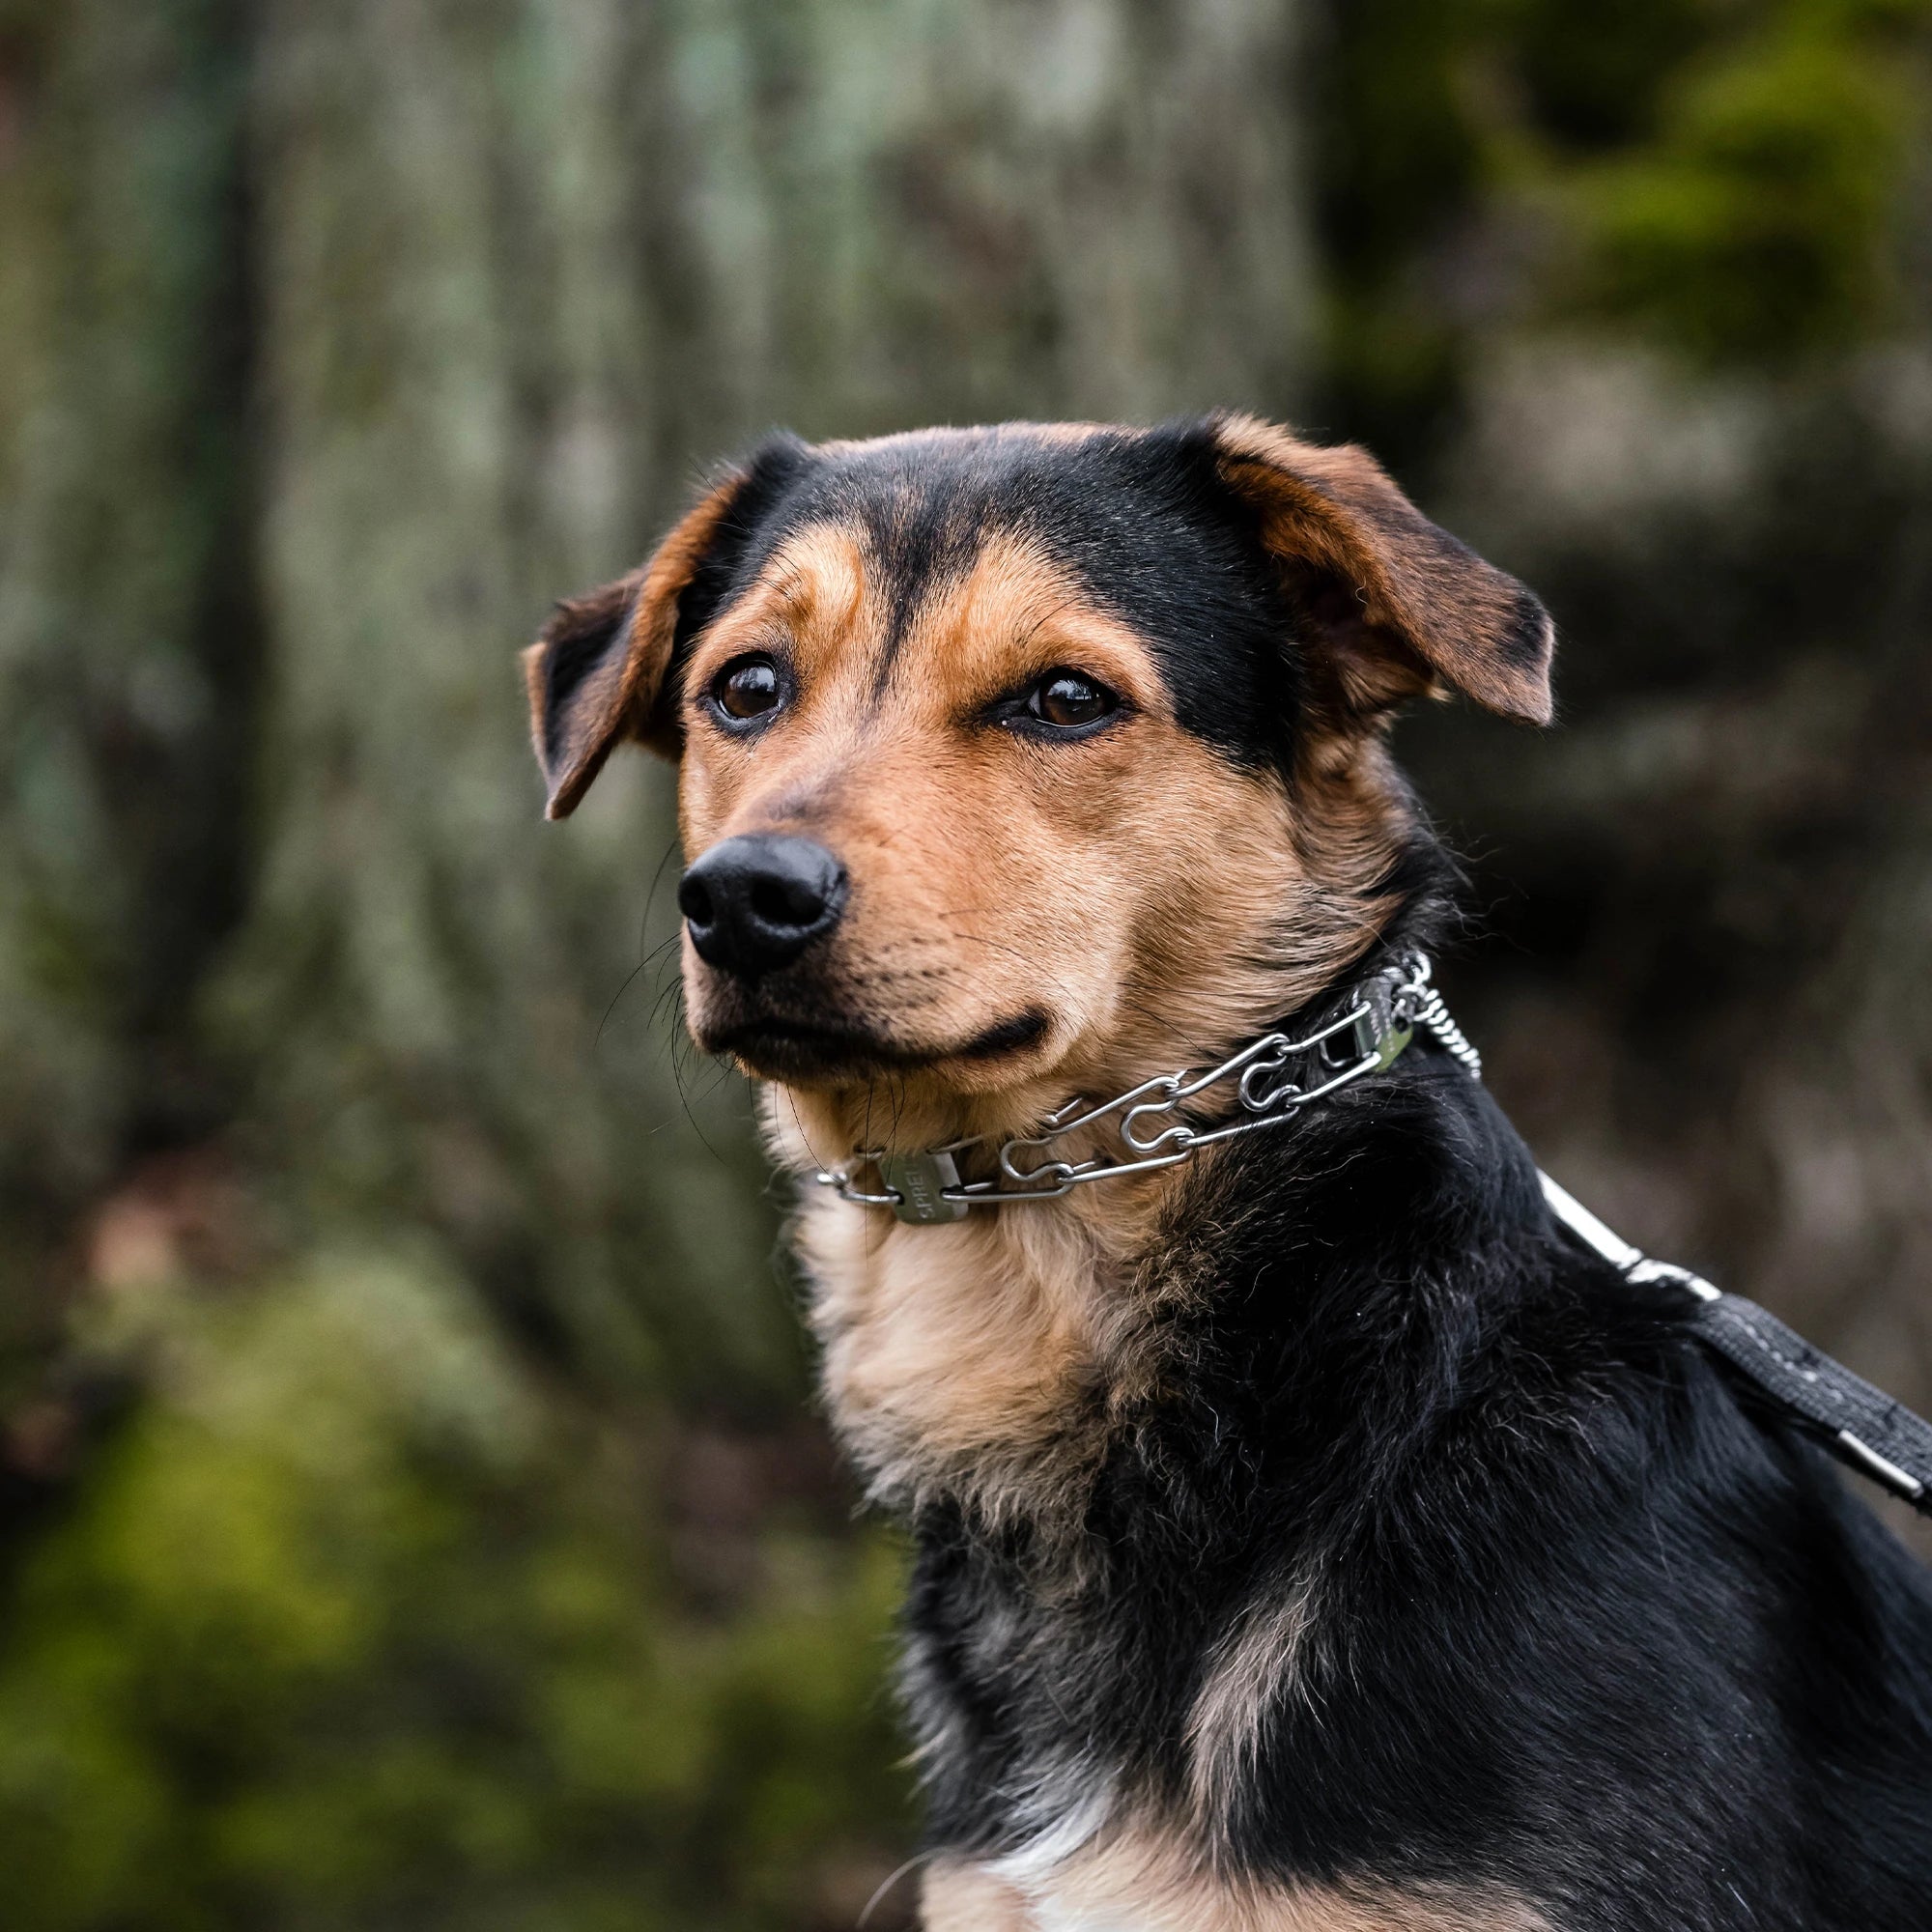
(1398, 605)
(600, 671)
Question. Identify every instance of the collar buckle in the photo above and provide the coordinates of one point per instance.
(1381, 1032)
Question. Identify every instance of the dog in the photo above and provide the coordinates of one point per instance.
(1310, 1535)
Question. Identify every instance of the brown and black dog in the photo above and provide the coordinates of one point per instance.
(1309, 1535)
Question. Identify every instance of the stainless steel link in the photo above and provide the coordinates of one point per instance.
(1269, 1075)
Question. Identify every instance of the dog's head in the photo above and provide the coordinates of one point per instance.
(1016, 758)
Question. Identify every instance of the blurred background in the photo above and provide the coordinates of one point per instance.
(413, 1513)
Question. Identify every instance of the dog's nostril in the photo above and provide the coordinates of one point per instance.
(786, 902)
(694, 899)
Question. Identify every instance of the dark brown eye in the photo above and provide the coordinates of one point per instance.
(1068, 701)
(748, 689)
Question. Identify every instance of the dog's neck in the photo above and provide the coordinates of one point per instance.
(984, 1360)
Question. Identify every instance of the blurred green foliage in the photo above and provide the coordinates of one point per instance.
(1726, 177)
(352, 1628)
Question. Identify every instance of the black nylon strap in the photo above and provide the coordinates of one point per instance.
(1861, 1426)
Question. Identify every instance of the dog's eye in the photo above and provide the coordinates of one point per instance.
(1066, 700)
(747, 688)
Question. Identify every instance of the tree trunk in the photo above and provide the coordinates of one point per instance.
(523, 271)
(129, 642)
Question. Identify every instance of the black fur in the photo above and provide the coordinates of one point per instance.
(1583, 1628)
(581, 637)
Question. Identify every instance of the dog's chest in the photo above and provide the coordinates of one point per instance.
(1152, 1880)
(1057, 1911)
(1059, 1689)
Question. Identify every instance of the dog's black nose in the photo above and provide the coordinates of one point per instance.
(755, 902)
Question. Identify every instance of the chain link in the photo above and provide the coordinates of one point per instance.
(1433, 1017)
(1275, 1077)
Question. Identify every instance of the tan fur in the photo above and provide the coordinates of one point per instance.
(619, 698)
(1425, 605)
(1153, 898)
(1136, 1881)
(959, 1897)
(961, 1359)
(991, 874)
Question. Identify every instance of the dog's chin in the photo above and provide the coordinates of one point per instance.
(826, 1052)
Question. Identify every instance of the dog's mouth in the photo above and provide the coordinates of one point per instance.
(822, 1052)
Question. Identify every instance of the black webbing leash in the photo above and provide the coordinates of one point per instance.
(1861, 1426)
